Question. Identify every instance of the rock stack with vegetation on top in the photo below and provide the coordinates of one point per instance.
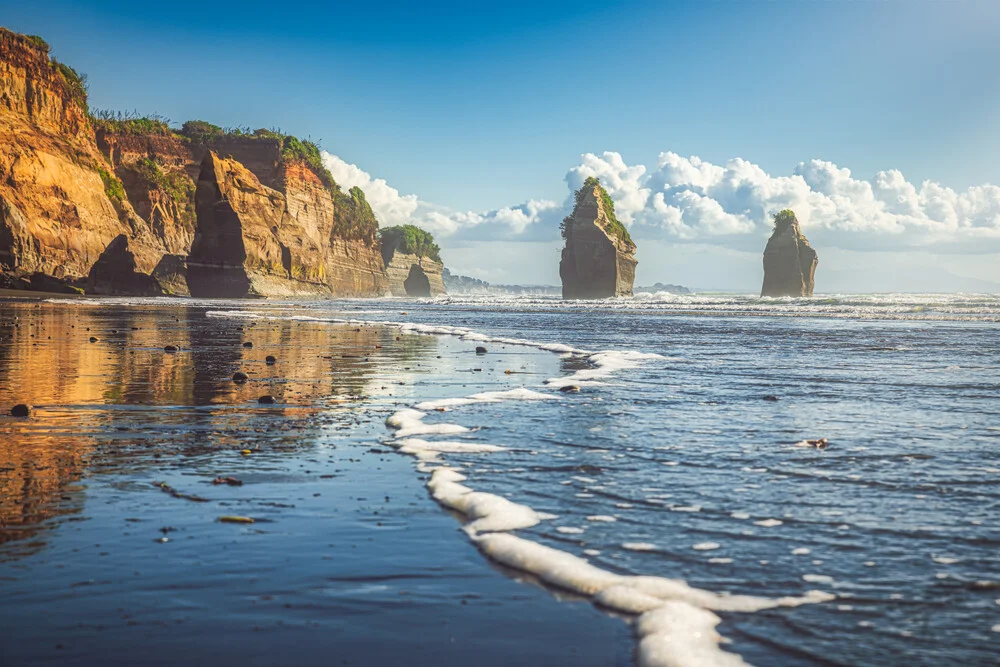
(789, 260)
(598, 260)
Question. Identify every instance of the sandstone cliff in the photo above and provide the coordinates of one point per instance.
(598, 260)
(789, 260)
(113, 203)
(60, 204)
(253, 240)
(158, 170)
(412, 262)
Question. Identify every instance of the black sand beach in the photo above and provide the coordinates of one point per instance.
(111, 546)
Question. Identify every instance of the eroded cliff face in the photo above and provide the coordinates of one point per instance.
(789, 260)
(253, 240)
(598, 260)
(159, 173)
(117, 211)
(411, 275)
(60, 204)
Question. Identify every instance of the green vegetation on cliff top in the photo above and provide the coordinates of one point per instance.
(411, 240)
(353, 217)
(783, 220)
(613, 227)
(175, 184)
(130, 122)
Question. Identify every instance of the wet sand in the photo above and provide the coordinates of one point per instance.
(111, 546)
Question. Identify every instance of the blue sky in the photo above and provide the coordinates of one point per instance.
(480, 106)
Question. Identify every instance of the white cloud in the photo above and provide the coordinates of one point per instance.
(691, 200)
(392, 208)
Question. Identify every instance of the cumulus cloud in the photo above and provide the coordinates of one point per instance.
(392, 208)
(688, 199)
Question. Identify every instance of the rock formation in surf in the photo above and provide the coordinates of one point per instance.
(72, 185)
(412, 261)
(789, 260)
(598, 260)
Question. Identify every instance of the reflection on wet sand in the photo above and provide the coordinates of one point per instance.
(121, 402)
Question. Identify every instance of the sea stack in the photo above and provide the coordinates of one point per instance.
(789, 261)
(598, 260)
(412, 262)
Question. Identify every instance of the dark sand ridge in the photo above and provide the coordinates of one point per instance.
(348, 561)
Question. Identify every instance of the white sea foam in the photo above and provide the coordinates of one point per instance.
(706, 546)
(409, 422)
(604, 364)
(425, 449)
(520, 394)
(604, 518)
(488, 512)
(676, 625)
(768, 523)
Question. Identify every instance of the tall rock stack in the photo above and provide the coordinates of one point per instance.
(789, 260)
(598, 260)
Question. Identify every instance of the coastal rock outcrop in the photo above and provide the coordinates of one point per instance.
(97, 202)
(115, 273)
(158, 170)
(60, 204)
(598, 260)
(789, 260)
(238, 248)
(253, 240)
(412, 262)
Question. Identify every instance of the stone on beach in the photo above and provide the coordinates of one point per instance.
(20, 410)
(239, 377)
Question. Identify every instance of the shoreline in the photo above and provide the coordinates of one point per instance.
(442, 589)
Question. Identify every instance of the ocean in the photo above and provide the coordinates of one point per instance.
(642, 465)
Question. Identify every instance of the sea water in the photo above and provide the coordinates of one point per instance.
(677, 488)
(685, 456)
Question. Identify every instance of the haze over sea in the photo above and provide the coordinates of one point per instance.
(682, 456)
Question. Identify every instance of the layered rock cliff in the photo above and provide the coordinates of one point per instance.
(60, 203)
(789, 260)
(254, 240)
(116, 205)
(412, 262)
(598, 260)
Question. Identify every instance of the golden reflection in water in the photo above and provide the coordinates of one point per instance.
(103, 406)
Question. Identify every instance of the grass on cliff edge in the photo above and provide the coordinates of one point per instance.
(130, 122)
(292, 148)
(411, 240)
(176, 185)
(614, 227)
